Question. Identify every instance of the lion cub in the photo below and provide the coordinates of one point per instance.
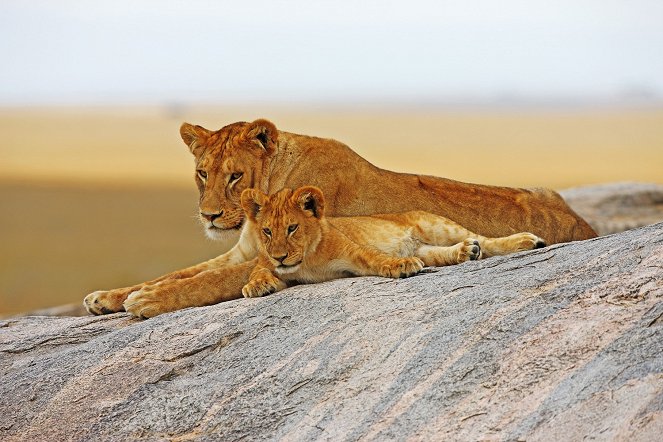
(298, 244)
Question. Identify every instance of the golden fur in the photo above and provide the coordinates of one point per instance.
(257, 155)
(299, 244)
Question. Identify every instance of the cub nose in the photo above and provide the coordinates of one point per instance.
(211, 216)
(280, 258)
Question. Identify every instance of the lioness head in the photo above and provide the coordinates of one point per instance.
(227, 162)
(289, 223)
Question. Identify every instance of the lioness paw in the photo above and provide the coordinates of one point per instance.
(149, 301)
(469, 250)
(103, 302)
(262, 286)
(402, 267)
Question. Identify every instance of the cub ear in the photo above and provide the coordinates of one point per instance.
(310, 199)
(252, 200)
(264, 133)
(194, 137)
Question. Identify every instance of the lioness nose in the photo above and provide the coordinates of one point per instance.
(280, 258)
(211, 216)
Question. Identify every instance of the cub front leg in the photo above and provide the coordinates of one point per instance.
(262, 282)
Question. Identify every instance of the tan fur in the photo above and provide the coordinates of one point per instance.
(257, 155)
(298, 244)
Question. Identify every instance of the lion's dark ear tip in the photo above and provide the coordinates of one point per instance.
(309, 204)
(193, 134)
(265, 126)
(265, 133)
(263, 138)
(311, 199)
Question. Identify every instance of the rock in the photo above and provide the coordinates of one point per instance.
(564, 342)
(76, 309)
(615, 207)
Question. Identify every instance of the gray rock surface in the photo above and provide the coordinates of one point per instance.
(615, 207)
(76, 309)
(561, 343)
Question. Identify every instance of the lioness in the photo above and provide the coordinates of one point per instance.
(257, 155)
(298, 244)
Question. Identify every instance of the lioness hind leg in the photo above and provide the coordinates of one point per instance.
(517, 242)
(467, 250)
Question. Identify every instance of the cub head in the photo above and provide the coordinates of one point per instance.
(228, 161)
(289, 223)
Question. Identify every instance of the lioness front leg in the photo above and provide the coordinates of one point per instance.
(205, 288)
(103, 302)
(262, 282)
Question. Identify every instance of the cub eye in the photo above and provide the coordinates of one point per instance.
(267, 232)
(235, 176)
(202, 174)
(292, 228)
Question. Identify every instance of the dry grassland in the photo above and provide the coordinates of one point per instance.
(98, 198)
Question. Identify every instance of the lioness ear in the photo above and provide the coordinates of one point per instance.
(264, 133)
(252, 200)
(194, 137)
(310, 199)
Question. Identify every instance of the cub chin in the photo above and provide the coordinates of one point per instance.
(299, 244)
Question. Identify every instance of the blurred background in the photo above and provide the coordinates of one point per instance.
(96, 187)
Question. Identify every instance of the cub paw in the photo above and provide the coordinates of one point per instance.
(402, 267)
(469, 250)
(527, 241)
(261, 286)
(103, 302)
(150, 301)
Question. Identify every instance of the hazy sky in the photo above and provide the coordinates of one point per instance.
(136, 51)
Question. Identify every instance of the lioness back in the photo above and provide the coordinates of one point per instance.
(257, 155)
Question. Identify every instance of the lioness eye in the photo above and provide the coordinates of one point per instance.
(202, 174)
(267, 232)
(235, 176)
(292, 228)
